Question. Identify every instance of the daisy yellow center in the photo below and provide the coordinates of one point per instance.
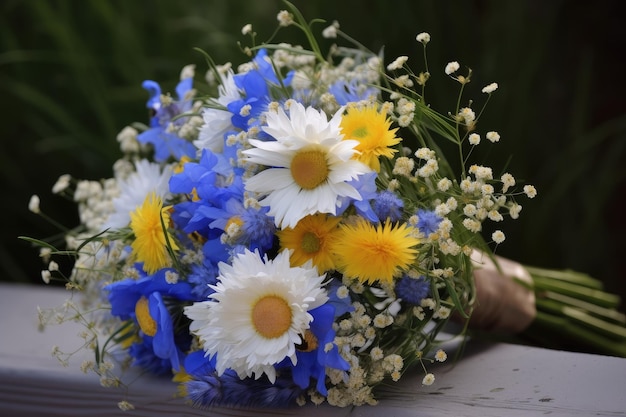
(310, 243)
(145, 320)
(360, 132)
(271, 316)
(309, 168)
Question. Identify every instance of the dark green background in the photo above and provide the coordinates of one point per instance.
(71, 73)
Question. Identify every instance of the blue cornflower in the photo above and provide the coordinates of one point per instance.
(428, 221)
(314, 357)
(201, 276)
(387, 205)
(366, 186)
(258, 228)
(207, 389)
(167, 144)
(412, 290)
(130, 297)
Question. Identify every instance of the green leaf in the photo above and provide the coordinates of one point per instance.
(38, 242)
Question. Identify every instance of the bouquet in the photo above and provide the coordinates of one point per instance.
(291, 231)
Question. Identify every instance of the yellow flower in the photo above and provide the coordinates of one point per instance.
(311, 239)
(371, 129)
(372, 253)
(149, 245)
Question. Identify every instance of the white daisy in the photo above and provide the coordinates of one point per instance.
(148, 177)
(217, 121)
(258, 313)
(309, 164)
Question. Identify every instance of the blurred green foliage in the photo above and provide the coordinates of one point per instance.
(71, 73)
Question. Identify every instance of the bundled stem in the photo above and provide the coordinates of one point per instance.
(575, 312)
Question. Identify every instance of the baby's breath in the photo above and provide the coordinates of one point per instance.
(452, 67)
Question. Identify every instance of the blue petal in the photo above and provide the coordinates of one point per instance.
(154, 102)
(183, 87)
(163, 341)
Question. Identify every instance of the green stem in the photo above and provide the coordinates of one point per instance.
(565, 275)
(547, 326)
(573, 290)
(306, 28)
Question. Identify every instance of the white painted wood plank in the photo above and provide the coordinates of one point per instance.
(489, 380)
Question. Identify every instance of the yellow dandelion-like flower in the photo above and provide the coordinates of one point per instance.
(372, 253)
(312, 239)
(371, 129)
(149, 245)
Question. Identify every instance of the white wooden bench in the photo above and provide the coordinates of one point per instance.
(489, 380)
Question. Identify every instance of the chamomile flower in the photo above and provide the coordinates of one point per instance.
(372, 129)
(309, 165)
(311, 239)
(371, 253)
(148, 178)
(150, 244)
(258, 313)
